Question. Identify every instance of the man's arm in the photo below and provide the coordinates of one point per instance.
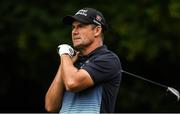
(53, 98)
(74, 79)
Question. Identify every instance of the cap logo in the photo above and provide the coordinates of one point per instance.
(98, 18)
(82, 12)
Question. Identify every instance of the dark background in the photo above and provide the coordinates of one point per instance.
(145, 34)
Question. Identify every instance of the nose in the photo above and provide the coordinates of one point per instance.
(75, 31)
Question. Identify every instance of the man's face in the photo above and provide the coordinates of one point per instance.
(82, 35)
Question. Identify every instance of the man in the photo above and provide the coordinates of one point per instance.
(87, 80)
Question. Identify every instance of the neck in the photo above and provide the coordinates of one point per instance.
(90, 48)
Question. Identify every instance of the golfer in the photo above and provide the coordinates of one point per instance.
(89, 75)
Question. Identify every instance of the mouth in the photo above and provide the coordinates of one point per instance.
(76, 38)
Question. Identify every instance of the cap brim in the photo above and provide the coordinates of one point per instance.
(70, 19)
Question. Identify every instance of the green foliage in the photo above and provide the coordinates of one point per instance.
(144, 31)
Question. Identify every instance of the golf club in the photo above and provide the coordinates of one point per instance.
(172, 90)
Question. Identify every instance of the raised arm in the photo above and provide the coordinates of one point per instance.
(54, 95)
(74, 79)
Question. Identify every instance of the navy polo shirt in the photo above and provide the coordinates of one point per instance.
(104, 68)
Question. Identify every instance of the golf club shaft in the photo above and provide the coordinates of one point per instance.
(147, 80)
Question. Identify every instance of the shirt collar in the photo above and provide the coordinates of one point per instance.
(96, 51)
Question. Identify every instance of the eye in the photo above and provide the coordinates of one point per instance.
(73, 27)
(81, 25)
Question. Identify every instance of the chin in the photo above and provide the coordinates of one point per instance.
(78, 47)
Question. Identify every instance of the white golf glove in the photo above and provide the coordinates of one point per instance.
(65, 49)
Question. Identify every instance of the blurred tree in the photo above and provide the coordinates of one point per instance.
(144, 33)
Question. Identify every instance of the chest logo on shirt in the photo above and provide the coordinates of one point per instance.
(84, 63)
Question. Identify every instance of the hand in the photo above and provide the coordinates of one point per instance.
(74, 58)
(65, 49)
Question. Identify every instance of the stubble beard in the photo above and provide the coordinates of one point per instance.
(82, 46)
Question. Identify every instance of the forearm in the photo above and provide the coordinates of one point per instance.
(55, 92)
(68, 71)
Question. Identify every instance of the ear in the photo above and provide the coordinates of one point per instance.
(97, 31)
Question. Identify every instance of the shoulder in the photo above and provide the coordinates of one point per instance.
(104, 66)
(108, 55)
